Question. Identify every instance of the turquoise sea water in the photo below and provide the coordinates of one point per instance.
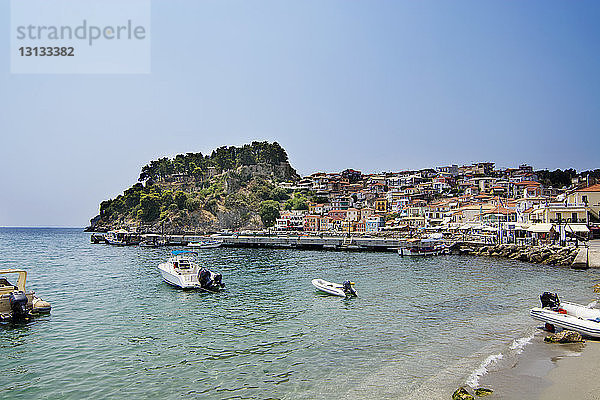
(116, 330)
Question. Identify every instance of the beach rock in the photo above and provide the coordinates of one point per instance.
(462, 394)
(483, 392)
(564, 337)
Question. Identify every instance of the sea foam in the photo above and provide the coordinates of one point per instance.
(519, 344)
(480, 371)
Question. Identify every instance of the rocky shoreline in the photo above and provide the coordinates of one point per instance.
(548, 255)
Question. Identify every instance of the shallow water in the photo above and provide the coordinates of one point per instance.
(418, 325)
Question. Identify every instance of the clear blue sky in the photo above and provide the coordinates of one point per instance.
(371, 85)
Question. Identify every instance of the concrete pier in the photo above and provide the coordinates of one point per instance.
(594, 253)
(301, 242)
(581, 259)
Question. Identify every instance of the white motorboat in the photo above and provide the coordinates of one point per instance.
(344, 290)
(182, 271)
(571, 316)
(206, 244)
(16, 302)
(424, 247)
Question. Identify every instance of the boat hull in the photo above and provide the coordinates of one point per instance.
(206, 244)
(329, 288)
(182, 281)
(586, 327)
(408, 252)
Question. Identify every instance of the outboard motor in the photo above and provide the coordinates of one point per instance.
(204, 278)
(218, 280)
(18, 305)
(348, 289)
(549, 300)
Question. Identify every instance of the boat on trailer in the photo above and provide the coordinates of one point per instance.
(16, 302)
(344, 290)
(182, 270)
(564, 315)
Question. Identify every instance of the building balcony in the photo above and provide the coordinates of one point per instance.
(568, 221)
(567, 205)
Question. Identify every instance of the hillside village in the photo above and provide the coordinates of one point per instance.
(253, 187)
(509, 202)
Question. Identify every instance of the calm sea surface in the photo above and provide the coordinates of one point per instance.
(116, 330)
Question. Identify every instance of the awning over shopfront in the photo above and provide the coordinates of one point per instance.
(577, 228)
(540, 228)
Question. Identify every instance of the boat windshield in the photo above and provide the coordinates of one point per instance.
(8, 285)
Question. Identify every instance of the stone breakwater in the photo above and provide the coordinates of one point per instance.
(549, 255)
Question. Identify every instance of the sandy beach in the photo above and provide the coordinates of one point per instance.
(576, 377)
(547, 371)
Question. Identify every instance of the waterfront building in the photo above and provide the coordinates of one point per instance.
(312, 223)
(589, 197)
(374, 223)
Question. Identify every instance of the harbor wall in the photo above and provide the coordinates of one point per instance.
(302, 242)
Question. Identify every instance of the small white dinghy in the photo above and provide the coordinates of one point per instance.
(571, 316)
(344, 290)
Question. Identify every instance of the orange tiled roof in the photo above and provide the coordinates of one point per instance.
(593, 188)
(528, 183)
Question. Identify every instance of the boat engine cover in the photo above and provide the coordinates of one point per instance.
(18, 304)
(549, 300)
(218, 280)
(348, 289)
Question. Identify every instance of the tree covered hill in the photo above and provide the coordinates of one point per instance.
(194, 192)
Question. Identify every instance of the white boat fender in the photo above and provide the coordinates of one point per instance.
(40, 305)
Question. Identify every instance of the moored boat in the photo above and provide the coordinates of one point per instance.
(153, 241)
(16, 302)
(344, 290)
(206, 244)
(182, 270)
(97, 238)
(122, 237)
(423, 247)
(575, 317)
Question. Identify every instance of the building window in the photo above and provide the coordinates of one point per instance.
(573, 217)
(558, 216)
(584, 199)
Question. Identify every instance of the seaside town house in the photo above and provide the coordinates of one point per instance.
(440, 184)
(290, 220)
(337, 214)
(589, 197)
(498, 214)
(525, 189)
(374, 223)
(318, 208)
(451, 170)
(397, 201)
(471, 213)
(438, 212)
(353, 214)
(564, 212)
(366, 212)
(381, 205)
(312, 223)
(483, 183)
(525, 207)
